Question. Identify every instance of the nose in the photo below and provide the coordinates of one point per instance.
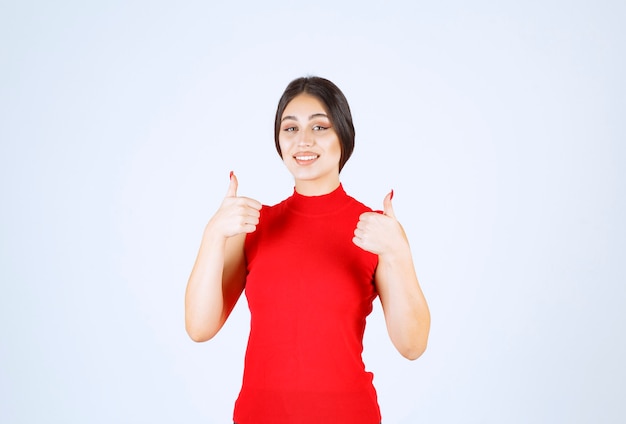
(306, 139)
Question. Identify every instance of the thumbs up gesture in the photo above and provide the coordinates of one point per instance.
(236, 215)
(380, 233)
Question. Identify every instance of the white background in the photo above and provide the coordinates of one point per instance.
(499, 124)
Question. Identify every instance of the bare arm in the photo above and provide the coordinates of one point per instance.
(404, 305)
(218, 275)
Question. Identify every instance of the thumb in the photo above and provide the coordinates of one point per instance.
(232, 188)
(387, 207)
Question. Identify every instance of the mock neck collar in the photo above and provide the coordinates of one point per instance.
(318, 205)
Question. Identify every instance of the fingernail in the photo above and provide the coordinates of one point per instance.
(231, 175)
(391, 196)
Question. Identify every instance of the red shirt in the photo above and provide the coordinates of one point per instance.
(309, 289)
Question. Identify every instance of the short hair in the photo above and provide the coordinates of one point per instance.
(336, 106)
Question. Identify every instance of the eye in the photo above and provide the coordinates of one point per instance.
(290, 129)
(319, 128)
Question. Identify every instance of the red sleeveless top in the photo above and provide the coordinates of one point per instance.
(309, 289)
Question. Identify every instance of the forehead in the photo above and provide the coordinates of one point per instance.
(304, 105)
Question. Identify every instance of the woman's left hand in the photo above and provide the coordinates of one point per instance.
(405, 308)
(380, 233)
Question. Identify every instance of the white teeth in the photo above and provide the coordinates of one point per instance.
(306, 157)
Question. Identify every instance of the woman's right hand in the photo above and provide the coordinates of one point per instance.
(236, 215)
(218, 276)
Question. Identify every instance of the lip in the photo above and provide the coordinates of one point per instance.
(305, 158)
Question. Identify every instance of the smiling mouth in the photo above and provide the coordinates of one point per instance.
(306, 157)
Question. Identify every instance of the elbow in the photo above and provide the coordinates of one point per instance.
(198, 337)
(415, 342)
(412, 347)
(199, 334)
(202, 327)
(413, 352)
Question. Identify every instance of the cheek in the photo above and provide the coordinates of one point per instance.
(336, 147)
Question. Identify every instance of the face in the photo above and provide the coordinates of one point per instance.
(310, 146)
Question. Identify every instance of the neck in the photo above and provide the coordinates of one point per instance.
(316, 188)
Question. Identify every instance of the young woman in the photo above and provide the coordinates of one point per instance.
(311, 266)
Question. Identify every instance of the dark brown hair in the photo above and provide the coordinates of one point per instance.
(336, 106)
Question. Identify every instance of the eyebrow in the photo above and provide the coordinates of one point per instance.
(315, 115)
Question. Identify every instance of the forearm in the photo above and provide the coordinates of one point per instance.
(406, 311)
(212, 289)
